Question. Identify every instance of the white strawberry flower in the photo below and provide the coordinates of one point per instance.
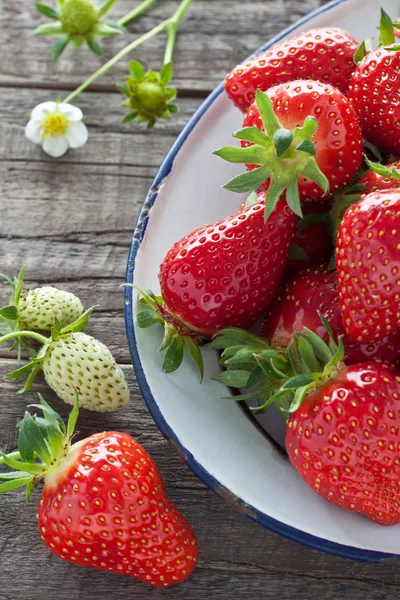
(56, 126)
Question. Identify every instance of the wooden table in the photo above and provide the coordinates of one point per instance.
(71, 221)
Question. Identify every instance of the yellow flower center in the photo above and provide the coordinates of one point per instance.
(55, 124)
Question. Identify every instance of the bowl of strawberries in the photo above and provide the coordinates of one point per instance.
(263, 285)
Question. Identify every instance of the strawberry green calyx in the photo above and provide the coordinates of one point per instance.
(386, 38)
(43, 444)
(148, 96)
(78, 21)
(390, 172)
(177, 335)
(283, 156)
(280, 378)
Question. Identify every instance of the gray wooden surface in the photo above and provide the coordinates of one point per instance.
(71, 221)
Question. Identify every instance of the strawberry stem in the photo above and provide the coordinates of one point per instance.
(19, 334)
(136, 12)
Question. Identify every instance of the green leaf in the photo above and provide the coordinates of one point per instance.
(136, 70)
(305, 349)
(29, 489)
(174, 355)
(21, 371)
(313, 172)
(297, 252)
(73, 416)
(115, 24)
(246, 182)
(145, 296)
(18, 285)
(123, 89)
(30, 379)
(251, 154)
(195, 354)
(299, 381)
(268, 116)
(147, 318)
(8, 279)
(80, 323)
(393, 48)
(307, 146)
(242, 358)
(238, 397)
(34, 438)
(363, 49)
(283, 139)
(94, 46)
(166, 73)
(293, 197)
(169, 332)
(298, 398)
(252, 134)
(251, 199)
(10, 313)
(233, 378)
(48, 29)
(129, 117)
(10, 475)
(26, 452)
(105, 7)
(58, 48)
(234, 336)
(386, 29)
(275, 190)
(256, 377)
(32, 468)
(105, 30)
(15, 483)
(55, 332)
(47, 11)
(391, 172)
(265, 364)
(321, 350)
(173, 108)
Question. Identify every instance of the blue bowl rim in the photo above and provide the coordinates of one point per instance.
(210, 481)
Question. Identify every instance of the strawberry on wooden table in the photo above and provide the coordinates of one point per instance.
(103, 503)
(220, 275)
(73, 360)
(368, 266)
(324, 54)
(343, 421)
(302, 139)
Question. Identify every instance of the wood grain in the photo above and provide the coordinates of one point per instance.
(208, 44)
(71, 220)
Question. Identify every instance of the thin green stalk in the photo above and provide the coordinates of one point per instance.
(136, 12)
(173, 28)
(103, 69)
(29, 334)
(15, 455)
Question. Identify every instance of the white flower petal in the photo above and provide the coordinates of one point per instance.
(55, 146)
(41, 111)
(73, 113)
(77, 134)
(33, 131)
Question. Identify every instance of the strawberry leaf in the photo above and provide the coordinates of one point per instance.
(34, 438)
(10, 313)
(73, 417)
(80, 323)
(174, 356)
(252, 134)
(195, 354)
(47, 11)
(297, 253)
(166, 73)
(386, 30)
(15, 483)
(233, 378)
(148, 318)
(246, 182)
(283, 139)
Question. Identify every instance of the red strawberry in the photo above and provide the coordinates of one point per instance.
(104, 503)
(343, 423)
(313, 144)
(296, 307)
(344, 441)
(219, 275)
(373, 92)
(324, 54)
(368, 265)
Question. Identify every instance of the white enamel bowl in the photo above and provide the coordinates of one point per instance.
(216, 438)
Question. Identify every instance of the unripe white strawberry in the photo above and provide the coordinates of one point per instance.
(74, 363)
(77, 362)
(39, 308)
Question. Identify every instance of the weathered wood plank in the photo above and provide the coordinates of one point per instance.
(237, 557)
(208, 46)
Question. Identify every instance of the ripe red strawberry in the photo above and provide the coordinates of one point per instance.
(343, 423)
(104, 503)
(313, 144)
(368, 266)
(219, 275)
(297, 306)
(324, 54)
(373, 92)
(344, 441)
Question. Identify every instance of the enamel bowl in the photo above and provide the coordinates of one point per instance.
(219, 441)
